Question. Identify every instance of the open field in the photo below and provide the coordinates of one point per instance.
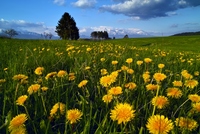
(143, 85)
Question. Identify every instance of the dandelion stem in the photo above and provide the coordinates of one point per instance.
(34, 128)
(154, 107)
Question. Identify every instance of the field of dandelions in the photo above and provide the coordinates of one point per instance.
(60, 87)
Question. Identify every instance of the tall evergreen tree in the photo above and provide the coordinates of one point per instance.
(66, 28)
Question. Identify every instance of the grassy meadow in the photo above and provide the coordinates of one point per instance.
(131, 86)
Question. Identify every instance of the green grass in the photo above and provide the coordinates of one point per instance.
(24, 56)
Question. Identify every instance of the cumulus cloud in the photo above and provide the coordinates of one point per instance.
(146, 9)
(114, 32)
(21, 25)
(59, 2)
(85, 3)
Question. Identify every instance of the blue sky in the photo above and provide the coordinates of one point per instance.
(117, 17)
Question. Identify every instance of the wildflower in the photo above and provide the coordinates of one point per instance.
(129, 60)
(186, 123)
(2, 81)
(50, 75)
(106, 81)
(115, 90)
(147, 60)
(131, 85)
(5, 69)
(72, 76)
(82, 83)
(87, 68)
(174, 92)
(152, 87)
(104, 71)
(196, 73)
(39, 70)
(194, 98)
(19, 130)
(102, 59)
(62, 73)
(186, 75)
(114, 62)
(44, 88)
(146, 77)
(191, 83)
(20, 77)
(130, 71)
(74, 115)
(21, 100)
(124, 68)
(161, 66)
(58, 106)
(33, 88)
(107, 98)
(159, 77)
(122, 113)
(177, 83)
(160, 101)
(139, 62)
(88, 49)
(196, 106)
(159, 124)
(17, 121)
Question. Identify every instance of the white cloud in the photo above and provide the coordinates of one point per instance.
(146, 9)
(59, 2)
(22, 25)
(85, 3)
(117, 32)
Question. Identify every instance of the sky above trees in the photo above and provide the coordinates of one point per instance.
(117, 17)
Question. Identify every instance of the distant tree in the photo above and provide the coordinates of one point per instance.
(126, 36)
(99, 35)
(66, 28)
(10, 32)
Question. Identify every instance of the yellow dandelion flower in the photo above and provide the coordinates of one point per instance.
(160, 101)
(104, 71)
(72, 76)
(122, 113)
(102, 59)
(20, 101)
(33, 88)
(74, 115)
(151, 87)
(196, 73)
(139, 62)
(131, 85)
(2, 81)
(146, 77)
(44, 88)
(62, 73)
(107, 98)
(194, 98)
(82, 83)
(159, 77)
(106, 81)
(88, 49)
(114, 62)
(186, 123)
(159, 124)
(124, 68)
(161, 66)
(17, 121)
(39, 70)
(58, 106)
(130, 71)
(115, 90)
(174, 92)
(5, 69)
(19, 130)
(50, 75)
(147, 60)
(186, 75)
(20, 77)
(196, 106)
(191, 83)
(87, 68)
(129, 60)
(177, 83)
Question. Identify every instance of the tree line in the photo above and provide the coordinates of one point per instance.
(99, 35)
